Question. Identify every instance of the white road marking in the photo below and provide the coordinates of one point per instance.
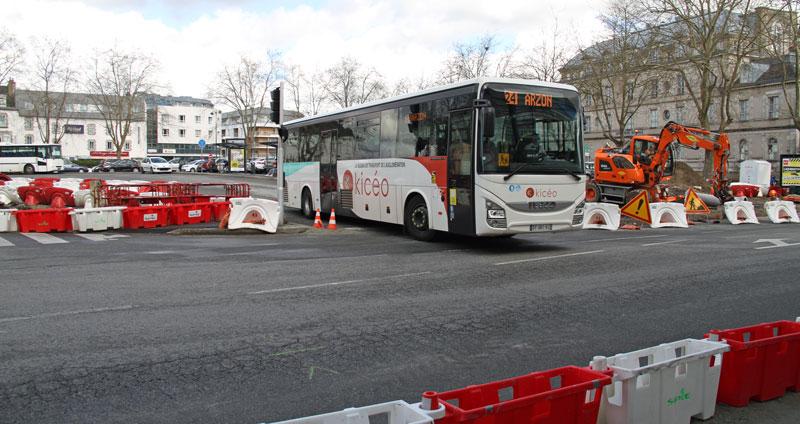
(624, 238)
(775, 243)
(100, 237)
(5, 243)
(550, 257)
(339, 283)
(66, 313)
(44, 238)
(663, 242)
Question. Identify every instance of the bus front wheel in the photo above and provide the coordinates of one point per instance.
(307, 205)
(417, 220)
(28, 169)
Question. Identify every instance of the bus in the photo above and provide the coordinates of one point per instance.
(482, 157)
(30, 158)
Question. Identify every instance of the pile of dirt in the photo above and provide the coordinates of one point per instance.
(685, 178)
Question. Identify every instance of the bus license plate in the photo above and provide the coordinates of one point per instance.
(542, 227)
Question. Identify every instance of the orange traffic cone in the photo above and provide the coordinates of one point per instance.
(318, 220)
(332, 223)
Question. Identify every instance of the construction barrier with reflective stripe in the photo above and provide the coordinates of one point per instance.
(781, 211)
(601, 216)
(740, 212)
(668, 215)
(258, 214)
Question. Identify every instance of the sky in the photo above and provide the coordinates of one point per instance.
(194, 39)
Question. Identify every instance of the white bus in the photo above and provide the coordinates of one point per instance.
(30, 158)
(483, 157)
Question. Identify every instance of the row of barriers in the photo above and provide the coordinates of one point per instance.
(666, 384)
(607, 216)
(111, 217)
(92, 192)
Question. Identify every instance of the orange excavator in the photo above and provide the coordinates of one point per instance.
(648, 162)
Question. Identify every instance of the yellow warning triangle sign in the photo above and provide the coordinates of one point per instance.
(693, 204)
(638, 208)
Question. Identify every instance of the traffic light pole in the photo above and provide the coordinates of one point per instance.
(281, 215)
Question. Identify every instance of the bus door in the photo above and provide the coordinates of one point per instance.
(460, 152)
(327, 168)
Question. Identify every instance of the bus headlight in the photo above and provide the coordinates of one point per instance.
(577, 216)
(495, 215)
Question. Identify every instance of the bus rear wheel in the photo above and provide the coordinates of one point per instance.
(28, 169)
(416, 220)
(307, 205)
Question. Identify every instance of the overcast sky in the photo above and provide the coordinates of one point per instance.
(192, 39)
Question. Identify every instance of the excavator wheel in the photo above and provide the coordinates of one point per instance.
(592, 192)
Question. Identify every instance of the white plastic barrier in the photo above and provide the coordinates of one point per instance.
(398, 412)
(780, 211)
(740, 212)
(83, 198)
(8, 194)
(97, 219)
(259, 214)
(8, 222)
(668, 215)
(665, 384)
(601, 216)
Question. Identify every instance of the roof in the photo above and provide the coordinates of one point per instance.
(465, 83)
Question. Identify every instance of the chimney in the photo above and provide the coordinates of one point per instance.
(12, 91)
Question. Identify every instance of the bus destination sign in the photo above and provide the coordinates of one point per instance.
(529, 99)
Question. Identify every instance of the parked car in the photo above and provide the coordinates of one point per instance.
(122, 165)
(219, 165)
(155, 164)
(207, 165)
(71, 167)
(176, 163)
(193, 166)
(103, 163)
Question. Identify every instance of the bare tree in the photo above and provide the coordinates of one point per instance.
(349, 83)
(467, 60)
(244, 87)
(617, 74)
(544, 61)
(53, 77)
(706, 42)
(117, 86)
(11, 54)
(309, 90)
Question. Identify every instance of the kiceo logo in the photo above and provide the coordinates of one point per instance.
(371, 186)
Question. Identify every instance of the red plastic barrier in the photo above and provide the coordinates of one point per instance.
(32, 195)
(568, 395)
(58, 197)
(146, 216)
(43, 220)
(44, 182)
(219, 209)
(763, 362)
(4, 177)
(190, 213)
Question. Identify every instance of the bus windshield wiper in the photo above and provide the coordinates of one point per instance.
(561, 170)
(514, 172)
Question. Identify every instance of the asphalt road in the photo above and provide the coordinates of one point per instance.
(155, 328)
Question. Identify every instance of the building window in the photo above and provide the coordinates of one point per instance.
(653, 118)
(29, 123)
(744, 150)
(587, 101)
(772, 149)
(197, 133)
(165, 119)
(772, 103)
(209, 119)
(127, 146)
(181, 118)
(587, 123)
(209, 133)
(182, 133)
(629, 123)
(54, 128)
(197, 119)
(679, 112)
(91, 144)
(109, 145)
(91, 129)
(607, 95)
(165, 132)
(3, 120)
(653, 89)
(28, 139)
(629, 90)
(681, 85)
(223, 133)
(744, 109)
(28, 106)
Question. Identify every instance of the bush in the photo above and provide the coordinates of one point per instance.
(89, 163)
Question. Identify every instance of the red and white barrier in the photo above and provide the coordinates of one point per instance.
(668, 215)
(601, 216)
(258, 214)
(781, 211)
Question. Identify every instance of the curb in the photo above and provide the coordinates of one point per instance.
(283, 229)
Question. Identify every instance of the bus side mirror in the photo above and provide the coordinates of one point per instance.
(487, 118)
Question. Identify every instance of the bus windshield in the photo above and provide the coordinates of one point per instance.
(536, 131)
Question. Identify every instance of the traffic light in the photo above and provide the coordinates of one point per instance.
(275, 105)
